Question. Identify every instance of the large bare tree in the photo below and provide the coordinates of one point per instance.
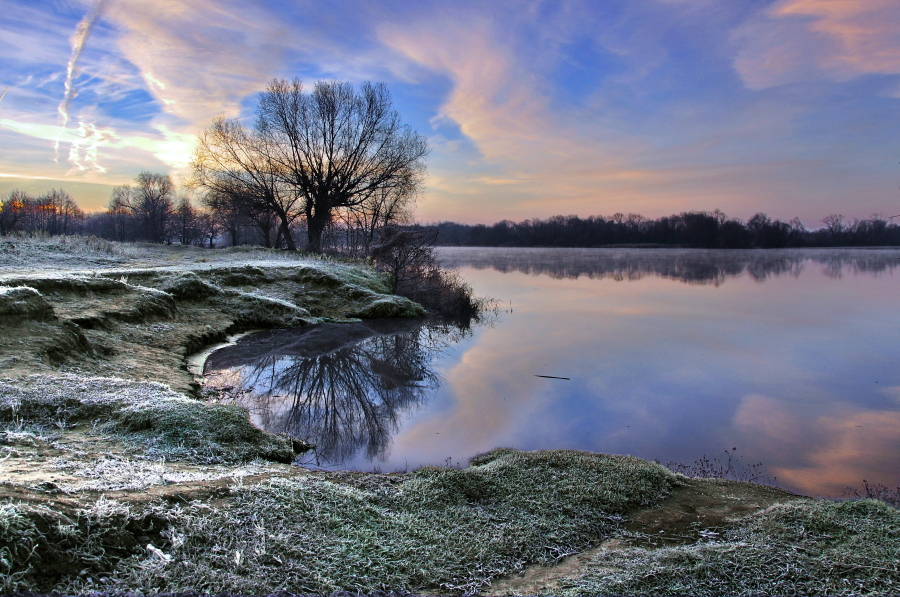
(337, 147)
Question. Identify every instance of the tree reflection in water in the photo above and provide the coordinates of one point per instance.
(342, 387)
(691, 266)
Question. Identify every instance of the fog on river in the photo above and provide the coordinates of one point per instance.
(789, 356)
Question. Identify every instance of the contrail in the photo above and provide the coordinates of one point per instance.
(82, 32)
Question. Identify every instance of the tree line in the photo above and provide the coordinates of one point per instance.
(153, 210)
(53, 213)
(687, 229)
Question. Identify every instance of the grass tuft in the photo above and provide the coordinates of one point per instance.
(189, 286)
(389, 306)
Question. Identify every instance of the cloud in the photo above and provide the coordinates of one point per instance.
(802, 40)
(503, 103)
(79, 38)
(199, 59)
(88, 142)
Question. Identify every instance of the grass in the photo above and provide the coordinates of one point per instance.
(814, 547)
(877, 491)
(435, 528)
(155, 420)
(730, 469)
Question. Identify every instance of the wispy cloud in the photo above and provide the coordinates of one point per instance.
(79, 38)
(203, 58)
(802, 40)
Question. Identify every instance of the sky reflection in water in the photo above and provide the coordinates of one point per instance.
(674, 354)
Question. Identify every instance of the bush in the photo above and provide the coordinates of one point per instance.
(408, 257)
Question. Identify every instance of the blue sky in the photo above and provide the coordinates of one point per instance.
(791, 107)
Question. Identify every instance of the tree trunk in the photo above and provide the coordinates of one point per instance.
(285, 231)
(314, 234)
(316, 221)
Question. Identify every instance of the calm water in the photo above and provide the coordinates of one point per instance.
(789, 356)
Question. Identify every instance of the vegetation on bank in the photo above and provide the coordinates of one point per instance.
(443, 530)
(154, 421)
(436, 528)
(431, 530)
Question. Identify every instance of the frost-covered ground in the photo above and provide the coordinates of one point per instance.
(27, 255)
(115, 477)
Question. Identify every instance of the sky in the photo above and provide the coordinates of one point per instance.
(531, 108)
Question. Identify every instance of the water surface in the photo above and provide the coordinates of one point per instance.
(789, 356)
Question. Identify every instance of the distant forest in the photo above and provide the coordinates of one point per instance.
(688, 229)
(152, 211)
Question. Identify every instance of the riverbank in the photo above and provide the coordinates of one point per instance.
(115, 477)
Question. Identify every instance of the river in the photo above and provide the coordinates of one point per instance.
(782, 359)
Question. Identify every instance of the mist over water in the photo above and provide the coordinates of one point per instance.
(790, 356)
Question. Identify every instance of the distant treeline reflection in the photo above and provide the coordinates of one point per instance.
(342, 387)
(686, 265)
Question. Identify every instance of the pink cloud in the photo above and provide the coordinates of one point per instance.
(798, 40)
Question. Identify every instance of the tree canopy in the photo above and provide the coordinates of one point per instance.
(311, 153)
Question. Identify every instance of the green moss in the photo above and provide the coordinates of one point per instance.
(241, 276)
(75, 284)
(338, 276)
(256, 310)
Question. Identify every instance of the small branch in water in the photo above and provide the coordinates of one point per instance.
(552, 377)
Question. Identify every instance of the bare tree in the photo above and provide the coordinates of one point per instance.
(183, 223)
(836, 226)
(121, 220)
(336, 147)
(152, 205)
(13, 211)
(235, 165)
(209, 227)
(359, 225)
